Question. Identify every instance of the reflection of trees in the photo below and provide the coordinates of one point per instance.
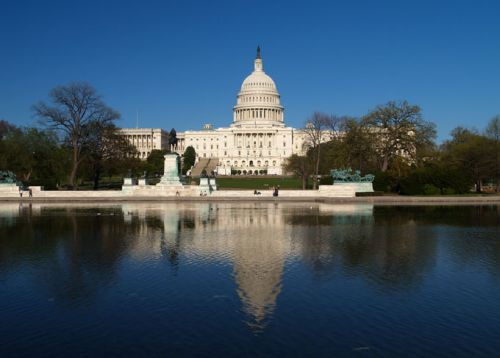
(477, 244)
(388, 250)
(75, 251)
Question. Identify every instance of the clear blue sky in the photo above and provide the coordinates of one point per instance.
(180, 63)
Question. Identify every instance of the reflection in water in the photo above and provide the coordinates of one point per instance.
(252, 238)
(75, 251)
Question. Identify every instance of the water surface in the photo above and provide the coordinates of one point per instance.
(250, 279)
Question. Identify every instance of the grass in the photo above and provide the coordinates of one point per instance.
(258, 183)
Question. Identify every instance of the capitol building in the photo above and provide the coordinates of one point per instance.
(257, 141)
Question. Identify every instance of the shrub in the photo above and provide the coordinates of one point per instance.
(430, 189)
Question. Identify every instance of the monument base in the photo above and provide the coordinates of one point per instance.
(207, 186)
(345, 189)
(129, 181)
(9, 190)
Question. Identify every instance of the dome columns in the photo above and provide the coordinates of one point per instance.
(274, 114)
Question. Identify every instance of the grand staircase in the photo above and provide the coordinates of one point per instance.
(207, 164)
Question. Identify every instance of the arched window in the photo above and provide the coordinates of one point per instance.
(250, 163)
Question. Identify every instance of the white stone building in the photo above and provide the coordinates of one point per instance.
(146, 139)
(257, 141)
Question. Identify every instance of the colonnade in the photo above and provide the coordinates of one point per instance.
(255, 140)
(258, 113)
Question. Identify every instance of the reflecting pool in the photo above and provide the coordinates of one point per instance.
(249, 279)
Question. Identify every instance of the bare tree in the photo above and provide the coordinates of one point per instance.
(399, 131)
(301, 166)
(75, 110)
(318, 128)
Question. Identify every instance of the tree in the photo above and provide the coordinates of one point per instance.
(493, 132)
(75, 110)
(399, 132)
(5, 127)
(317, 129)
(469, 153)
(156, 160)
(358, 145)
(300, 166)
(105, 148)
(189, 159)
(35, 156)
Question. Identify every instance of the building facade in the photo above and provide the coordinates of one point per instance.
(146, 139)
(257, 141)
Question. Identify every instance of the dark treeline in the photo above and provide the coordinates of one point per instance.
(77, 143)
(398, 146)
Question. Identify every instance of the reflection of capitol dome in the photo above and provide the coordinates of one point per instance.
(258, 270)
(258, 100)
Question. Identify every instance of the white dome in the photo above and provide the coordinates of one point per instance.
(258, 81)
(258, 102)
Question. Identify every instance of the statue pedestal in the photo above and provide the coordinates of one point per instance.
(207, 186)
(9, 190)
(129, 181)
(171, 171)
(339, 190)
(360, 187)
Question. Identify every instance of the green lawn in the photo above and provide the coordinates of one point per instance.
(258, 183)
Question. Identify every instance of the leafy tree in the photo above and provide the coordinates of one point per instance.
(301, 166)
(470, 154)
(398, 130)
(188, 159)
(493, 132)
(5, 127)
(35, 156)
(75, 110)
(106, 148)
(156, 160)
